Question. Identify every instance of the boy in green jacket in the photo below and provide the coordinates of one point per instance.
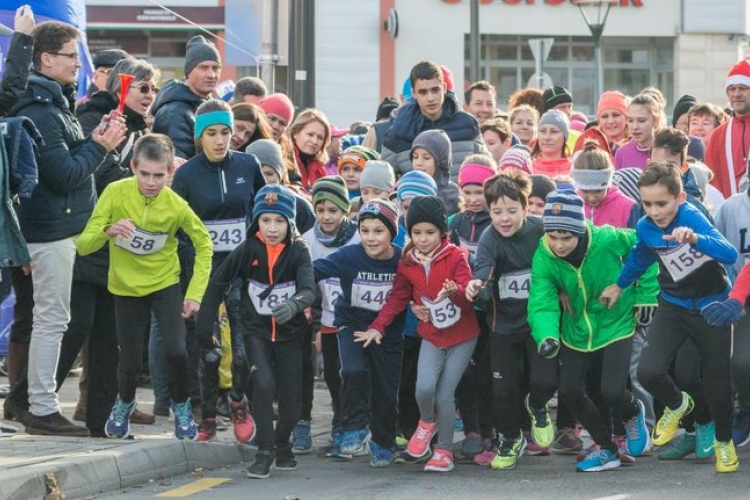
(580, 260)
(138, 217)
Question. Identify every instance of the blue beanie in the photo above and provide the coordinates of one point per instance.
(563, 211)
(415, 183)
(275, 199)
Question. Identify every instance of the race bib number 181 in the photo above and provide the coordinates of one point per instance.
(280, 293)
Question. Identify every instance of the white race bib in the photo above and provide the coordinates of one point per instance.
(514, 285)
(471, 247)
(226, 234)
(443, 313)
(142, 242)
(370, 295)
(682, 261)
(280, 293)
(331, 290)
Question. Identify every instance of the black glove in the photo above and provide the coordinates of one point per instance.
(644, 315)
(285, 311)
(549, 348)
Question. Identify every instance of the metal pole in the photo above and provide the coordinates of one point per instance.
(474, 41)
(599, 77)
(267, 62)
(292, 58)
(308, 18)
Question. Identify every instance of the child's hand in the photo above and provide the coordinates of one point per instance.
(610, 295)
(449, 288)
(367, 337)
(682, 235)
(472, 289)
(285, 311)
(123, 227)
(723, 313)
(420, 312)
(189, 308)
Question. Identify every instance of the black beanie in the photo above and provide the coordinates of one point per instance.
(682, 106)
(541, 186)
(385, 108)
(427, 209)
(554, 96)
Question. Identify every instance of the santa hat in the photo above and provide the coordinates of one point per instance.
(739, 74)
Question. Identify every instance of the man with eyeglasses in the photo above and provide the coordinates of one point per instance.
(58, 209)
(174, 109)
(103, 61)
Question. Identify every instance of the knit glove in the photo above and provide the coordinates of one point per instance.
(644, 315)
(549, 348)
(285, 311)
(723, 313)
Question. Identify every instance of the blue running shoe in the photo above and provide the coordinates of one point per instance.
(637, 433)
(379, 456)
(355, 442)
(704, 440)
(118, 423)
(741, 427)
(301, 439)
(334, 450)
(184, 425)
(598, 460)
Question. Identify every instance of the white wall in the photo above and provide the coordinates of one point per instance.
(716, 16)
(347, 59)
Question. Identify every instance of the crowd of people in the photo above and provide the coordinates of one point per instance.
(452, 263)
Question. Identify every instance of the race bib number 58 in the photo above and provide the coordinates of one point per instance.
(142, 242)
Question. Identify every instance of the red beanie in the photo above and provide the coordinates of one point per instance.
(612, 100)
(739, 74)
(279, 105)
(472, 173)
(447, 78)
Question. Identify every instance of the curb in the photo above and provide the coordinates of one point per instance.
(92, 473)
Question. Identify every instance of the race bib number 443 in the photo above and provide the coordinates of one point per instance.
(142, 242)
(370, 295)
(682, 261)
(280, 293)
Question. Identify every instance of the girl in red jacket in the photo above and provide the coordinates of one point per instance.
(433, 273)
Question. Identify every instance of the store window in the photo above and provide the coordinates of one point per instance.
(630, 64)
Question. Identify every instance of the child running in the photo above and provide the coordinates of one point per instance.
(139, 217)
(579, 259)
(433, 273)
(690, 252)
(275, 267)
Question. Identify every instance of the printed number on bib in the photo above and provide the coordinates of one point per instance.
(280, 293)
(226, 234)
(471, 247)
(682, 261)
(142, 242)
(370, 295)
(443, 313)
(331, 290)
(514, 285)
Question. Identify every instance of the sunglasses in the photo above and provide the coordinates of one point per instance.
(145, 88)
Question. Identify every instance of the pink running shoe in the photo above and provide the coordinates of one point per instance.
(244, 425)
(622, 450)
(533, 449)
(485, 457)
(441, 461)
(419, 444)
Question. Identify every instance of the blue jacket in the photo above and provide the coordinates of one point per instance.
(461, 127)
(174, 116)
(62, 202)
(690, 276)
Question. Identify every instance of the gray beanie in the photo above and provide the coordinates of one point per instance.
(437, 143)
(557, 119)
(198, 50)
(268, 153)
(378, 174)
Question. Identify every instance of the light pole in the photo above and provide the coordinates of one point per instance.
(595, 14)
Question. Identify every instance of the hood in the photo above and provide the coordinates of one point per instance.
(41, 89)
(175, 90)
(409, 121)
(614, 195)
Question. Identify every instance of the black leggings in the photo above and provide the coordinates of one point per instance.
(276, 368)
(133, 316)
(574, 367)
(670, 328)
(331, 366)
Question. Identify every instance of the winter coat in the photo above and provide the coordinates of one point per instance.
(614, 209)
(16, 72)
(174, 116)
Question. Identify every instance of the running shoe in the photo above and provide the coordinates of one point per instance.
(532, 448)
(741, 427)
(508, 452)
(599, 460)
(623, 453)
(207, 430)
(636, 432)
(667, 424)
(285, 458)
(354, 443)
(261, 467)
(441, 461)
(542, 429)
(379, 456)
(567, 442)
(301, 439)
(419, 444)
(118, 423)
(184, 425)
(680, 447)
(726, 457)
(242, 421)
(471, 445)
(401, 442)
(705, 435)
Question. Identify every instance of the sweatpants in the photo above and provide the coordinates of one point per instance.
(370, 378)
(331, 366)
(133, 316)
(408, 409)
(575, 365)
(509, 354)
(671, 327)
(276, 368)
(439, 371)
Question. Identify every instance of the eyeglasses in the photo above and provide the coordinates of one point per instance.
(145, 89)
(73, 56)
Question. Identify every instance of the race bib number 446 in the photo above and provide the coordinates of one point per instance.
(280, 293)
(370, 295)
(682, 261)
(142, 242)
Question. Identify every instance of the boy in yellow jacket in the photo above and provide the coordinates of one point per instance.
(138, 217)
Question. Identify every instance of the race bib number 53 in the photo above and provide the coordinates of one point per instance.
(443, 313)
(370, 295)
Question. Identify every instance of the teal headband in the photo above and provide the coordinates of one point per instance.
(202, 122)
